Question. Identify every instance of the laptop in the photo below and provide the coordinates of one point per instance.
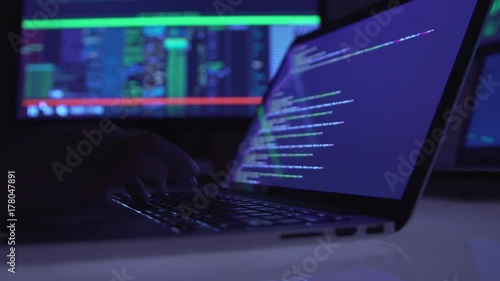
(340, 148)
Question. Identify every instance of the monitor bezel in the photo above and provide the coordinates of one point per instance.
(173, 124)
(479, 157)
(398, 210)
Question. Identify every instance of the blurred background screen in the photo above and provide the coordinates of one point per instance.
(160, 59)
(484, 126)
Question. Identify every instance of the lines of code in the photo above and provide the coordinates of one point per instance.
(292, 124)
(305, 62)
(288, 136)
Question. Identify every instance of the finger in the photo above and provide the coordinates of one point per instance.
(160, 186)
(136, 189)
(147, 167)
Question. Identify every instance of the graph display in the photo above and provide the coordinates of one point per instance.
(156, 59)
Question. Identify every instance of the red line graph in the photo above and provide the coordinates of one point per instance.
(187, 101)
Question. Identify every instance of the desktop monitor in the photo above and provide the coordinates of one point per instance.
(152, 59)
(492, 29)
(481, 144)
(332, 11)
(344, 115)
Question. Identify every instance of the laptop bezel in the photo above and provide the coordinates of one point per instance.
(398, 210)
(480, 157)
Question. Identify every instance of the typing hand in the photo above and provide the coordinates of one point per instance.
(59, 170)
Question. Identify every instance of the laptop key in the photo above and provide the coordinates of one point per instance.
(226, 225)
(238, 217)
(340, 218)
(256, 222)
(236, 209)
(289, 221)
(245, 204)
(315, 219)
(292, 214)
(259, 214)
(272, 217)
(248, 212)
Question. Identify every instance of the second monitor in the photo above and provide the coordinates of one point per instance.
(197, 59)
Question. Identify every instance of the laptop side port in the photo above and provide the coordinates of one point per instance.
(345, 231)
(301, 235)
(376, 229)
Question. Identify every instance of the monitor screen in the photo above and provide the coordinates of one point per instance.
(492, 29)
(157, 59)
(484, 128)
(350, 110)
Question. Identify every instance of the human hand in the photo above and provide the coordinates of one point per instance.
(63, 169)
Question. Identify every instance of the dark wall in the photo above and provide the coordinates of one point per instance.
(8, 57)
(337, 9)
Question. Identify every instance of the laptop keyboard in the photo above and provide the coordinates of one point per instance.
(223, 212)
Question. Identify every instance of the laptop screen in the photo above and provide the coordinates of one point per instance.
(349, 111)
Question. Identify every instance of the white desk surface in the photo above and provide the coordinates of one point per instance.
(445, 240)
